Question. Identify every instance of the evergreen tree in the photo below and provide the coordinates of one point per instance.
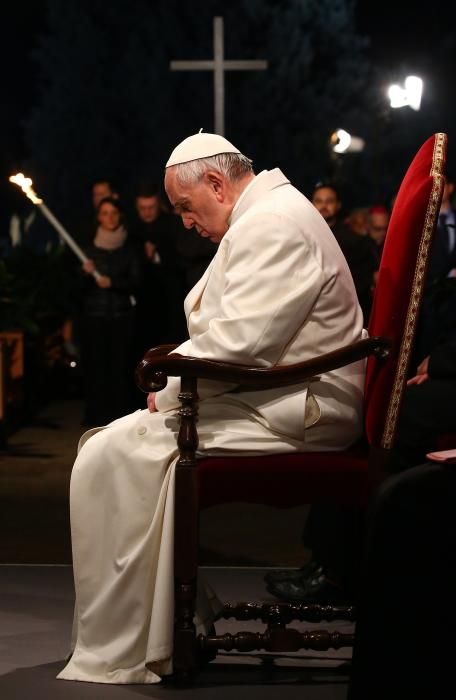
(99, 115)
(315, 82)
(111, 106)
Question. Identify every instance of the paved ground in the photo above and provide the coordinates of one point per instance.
(35, 626)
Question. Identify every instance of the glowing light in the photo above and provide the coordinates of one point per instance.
(397, 96)
(414, 89)
(25, 183)
(409, 95)
(343, 142)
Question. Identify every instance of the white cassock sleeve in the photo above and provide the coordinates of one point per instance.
(272, 280)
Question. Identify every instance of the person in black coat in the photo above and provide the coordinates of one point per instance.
(440, 276)
(160, 299)
(428, 407)
(113, 274)
(406, 613)
(357, 249)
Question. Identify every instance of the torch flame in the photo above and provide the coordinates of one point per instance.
(25, 184)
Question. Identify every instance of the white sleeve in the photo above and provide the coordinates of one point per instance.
(273, 279)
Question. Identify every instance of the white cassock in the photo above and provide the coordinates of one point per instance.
(278, 291)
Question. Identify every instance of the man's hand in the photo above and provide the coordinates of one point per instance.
(421, 373)
(423, 367)
(103, 281)
(88, 266)
(418, 379)
(151, 402)
(149, 250)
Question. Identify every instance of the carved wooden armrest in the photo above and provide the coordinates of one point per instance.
(158, 364)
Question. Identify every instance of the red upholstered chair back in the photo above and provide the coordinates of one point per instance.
(403, 266)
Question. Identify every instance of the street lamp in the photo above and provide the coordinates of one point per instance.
(409, 95)
(343, 142)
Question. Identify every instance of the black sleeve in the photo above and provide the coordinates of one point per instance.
(128, 277)
(442, 362)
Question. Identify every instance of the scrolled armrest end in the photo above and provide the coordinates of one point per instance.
(148, 379)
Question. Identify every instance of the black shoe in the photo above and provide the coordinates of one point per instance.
(317, 589)
(312, 568)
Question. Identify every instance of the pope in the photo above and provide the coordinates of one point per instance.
(278, 291)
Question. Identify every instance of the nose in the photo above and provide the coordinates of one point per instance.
(188, 222)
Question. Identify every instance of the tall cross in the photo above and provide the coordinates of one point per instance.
(219, 66)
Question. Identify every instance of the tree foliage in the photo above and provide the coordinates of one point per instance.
(110, 106)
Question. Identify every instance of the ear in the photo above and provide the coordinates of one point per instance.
(217, 183)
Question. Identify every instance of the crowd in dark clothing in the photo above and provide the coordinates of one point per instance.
(160, 261)
(149, 272)
(128, 297)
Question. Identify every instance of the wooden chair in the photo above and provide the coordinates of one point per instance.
(342, 477)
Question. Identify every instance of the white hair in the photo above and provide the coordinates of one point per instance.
(232, 165)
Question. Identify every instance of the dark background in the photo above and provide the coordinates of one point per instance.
(87, 91)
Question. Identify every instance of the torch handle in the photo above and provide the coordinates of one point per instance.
(65, 235)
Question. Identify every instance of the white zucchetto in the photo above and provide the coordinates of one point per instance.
(200, 145)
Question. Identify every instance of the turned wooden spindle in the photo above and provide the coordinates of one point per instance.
(286, 612)
(186, 531)
(276, 639)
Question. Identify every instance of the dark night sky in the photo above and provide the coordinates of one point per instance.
(403, 38)
(19, 29)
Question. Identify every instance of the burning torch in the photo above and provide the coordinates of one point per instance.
(25, 183)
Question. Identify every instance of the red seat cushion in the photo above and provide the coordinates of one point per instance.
(308, 477)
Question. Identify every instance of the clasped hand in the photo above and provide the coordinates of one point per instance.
(151, 402)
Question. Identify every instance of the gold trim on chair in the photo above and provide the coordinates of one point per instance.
(436, 173)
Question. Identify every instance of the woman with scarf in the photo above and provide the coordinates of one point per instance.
(108, 317)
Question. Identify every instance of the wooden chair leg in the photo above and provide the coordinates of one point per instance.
(185, 655)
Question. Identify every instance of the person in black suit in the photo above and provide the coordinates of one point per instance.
(160, 318)
(406, 611)
(428, 407)
(357, 249)
(441, 272)
(443, 254)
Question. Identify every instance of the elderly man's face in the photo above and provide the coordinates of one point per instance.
(201, 206)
